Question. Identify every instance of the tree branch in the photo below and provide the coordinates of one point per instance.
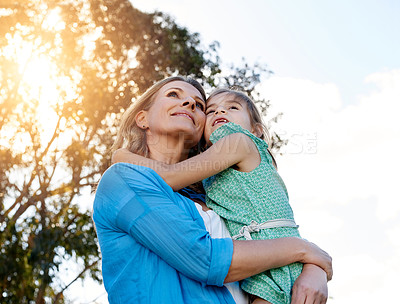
(58, 295)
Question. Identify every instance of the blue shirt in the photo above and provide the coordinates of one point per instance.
(154, 245)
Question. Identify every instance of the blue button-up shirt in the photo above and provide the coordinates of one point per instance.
(154, 245)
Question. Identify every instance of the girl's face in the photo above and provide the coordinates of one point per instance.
(223, 108)
(177, 110)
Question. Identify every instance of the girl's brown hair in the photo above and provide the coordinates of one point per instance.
(132, 137)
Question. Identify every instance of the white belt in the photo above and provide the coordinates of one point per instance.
(256, 227)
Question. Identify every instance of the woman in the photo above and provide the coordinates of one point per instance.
(153, 241)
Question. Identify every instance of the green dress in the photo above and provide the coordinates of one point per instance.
(259, 195)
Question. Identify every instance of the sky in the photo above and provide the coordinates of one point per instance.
(336, 80)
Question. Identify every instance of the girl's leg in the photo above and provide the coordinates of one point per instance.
(257, 300)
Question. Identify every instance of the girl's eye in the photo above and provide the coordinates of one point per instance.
(200, 106)
(210, 112)
(234, 108)
(172, 94)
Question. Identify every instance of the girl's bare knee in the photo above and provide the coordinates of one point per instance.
(257, 300)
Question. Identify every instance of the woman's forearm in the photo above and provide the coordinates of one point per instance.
(252, 257)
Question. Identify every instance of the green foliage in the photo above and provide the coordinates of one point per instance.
(67, 71)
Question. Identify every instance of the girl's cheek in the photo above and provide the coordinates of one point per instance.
(208, 121)
(207, 131)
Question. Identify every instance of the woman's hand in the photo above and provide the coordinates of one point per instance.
(311, 286)
(317, 256)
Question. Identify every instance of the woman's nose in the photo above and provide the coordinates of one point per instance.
(190, 103)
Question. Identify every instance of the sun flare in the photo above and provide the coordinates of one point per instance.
(39, 79)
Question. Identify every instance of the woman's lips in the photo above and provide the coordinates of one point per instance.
(185, 114)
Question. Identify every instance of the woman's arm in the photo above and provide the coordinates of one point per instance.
(234, 149)
(252, 257)
(135, 200)
(309, 288)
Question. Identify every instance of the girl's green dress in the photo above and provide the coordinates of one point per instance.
(259, 195)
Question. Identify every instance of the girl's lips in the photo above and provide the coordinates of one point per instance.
(185, 114)
(219, 120)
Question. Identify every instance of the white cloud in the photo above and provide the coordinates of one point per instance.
(341, 169)
(348, 152)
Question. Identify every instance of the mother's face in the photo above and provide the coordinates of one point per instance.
(177, 110)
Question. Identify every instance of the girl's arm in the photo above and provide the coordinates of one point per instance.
(252, 257)
(235, 149)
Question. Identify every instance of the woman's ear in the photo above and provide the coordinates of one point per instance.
(141, 120)
(257, 130)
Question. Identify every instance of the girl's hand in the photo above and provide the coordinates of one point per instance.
(311, 286)
(317, 256)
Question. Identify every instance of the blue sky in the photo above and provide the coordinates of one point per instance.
(336, 80)
(324, 41)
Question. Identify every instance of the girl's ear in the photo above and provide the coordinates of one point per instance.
(257, 130)
(141, 119)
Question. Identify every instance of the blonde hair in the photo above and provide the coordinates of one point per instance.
(132, 137)
(255, 116)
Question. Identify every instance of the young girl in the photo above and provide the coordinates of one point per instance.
(241, 183)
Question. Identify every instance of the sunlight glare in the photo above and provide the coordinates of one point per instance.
(40, 82)
(53, 21)
(41, 85)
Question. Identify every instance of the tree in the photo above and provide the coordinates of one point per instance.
(68, 71)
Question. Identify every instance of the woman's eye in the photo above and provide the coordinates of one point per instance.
(200, 106)
(172, 94)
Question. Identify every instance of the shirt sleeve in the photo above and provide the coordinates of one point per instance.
(150, 215)
(232, 128)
